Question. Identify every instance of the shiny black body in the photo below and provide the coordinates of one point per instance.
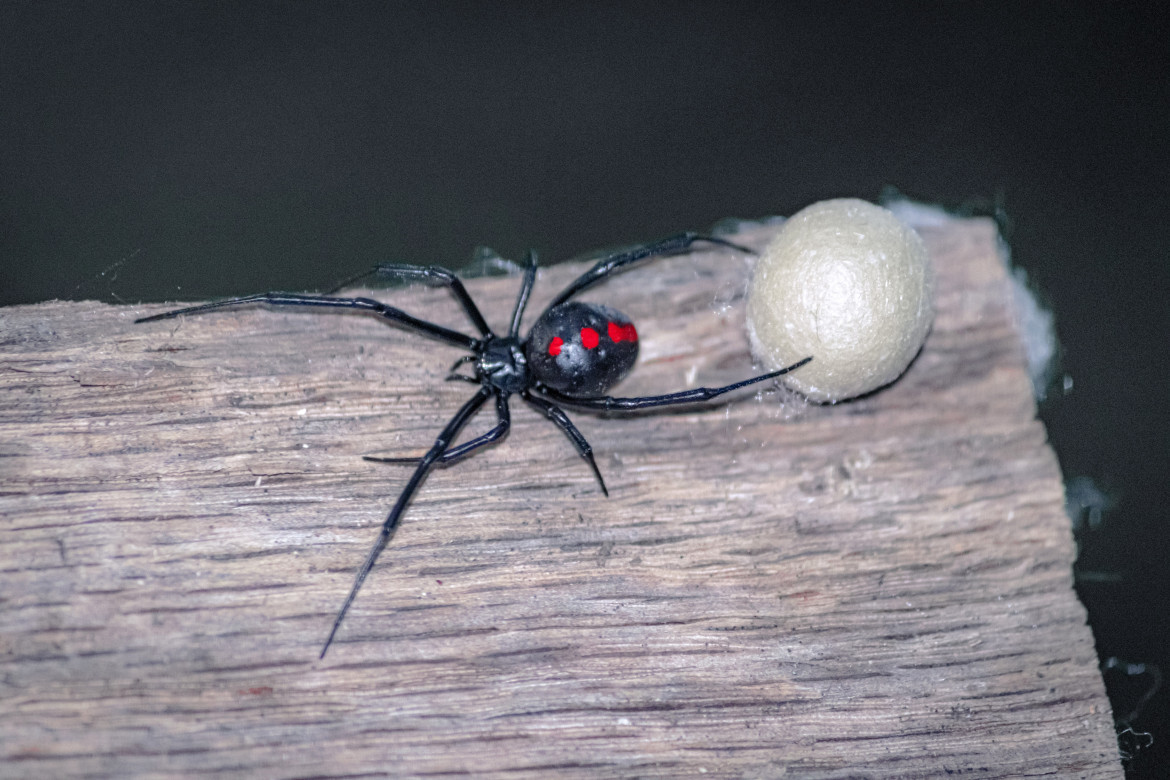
(561, 358)
(573, 354)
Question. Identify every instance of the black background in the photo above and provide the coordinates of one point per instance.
(179, 150)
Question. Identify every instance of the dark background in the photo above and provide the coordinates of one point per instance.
(181, 150)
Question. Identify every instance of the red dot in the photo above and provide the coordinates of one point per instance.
(554, 346)
(622, 332)
(589, 338)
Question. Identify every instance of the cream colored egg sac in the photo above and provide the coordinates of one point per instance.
(848, 283)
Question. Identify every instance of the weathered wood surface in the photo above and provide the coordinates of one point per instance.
(878, 589)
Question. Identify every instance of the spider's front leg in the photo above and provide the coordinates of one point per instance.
(429, 274)
(426, 463)
(504, 422)
(369, 305)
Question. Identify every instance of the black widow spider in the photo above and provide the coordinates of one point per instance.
(574, 353)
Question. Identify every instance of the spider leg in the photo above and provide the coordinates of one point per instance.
(608, 265)
(497, 432)
(363, 304)
(425, 464)
(453, 374)
(563, 422)
(460, 362)
(430, 274)
(525, 291)
(609, 403)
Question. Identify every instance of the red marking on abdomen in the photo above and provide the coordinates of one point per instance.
(589, 338)
(622, 332)
(554, 346)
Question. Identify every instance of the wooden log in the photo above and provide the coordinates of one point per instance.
(876, 589)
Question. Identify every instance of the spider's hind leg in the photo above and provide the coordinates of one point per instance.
(667, 246)
(698, 394)
(562, 421)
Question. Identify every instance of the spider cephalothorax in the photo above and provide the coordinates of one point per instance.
(572, 355)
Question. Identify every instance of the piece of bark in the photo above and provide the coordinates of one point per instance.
(877, 589)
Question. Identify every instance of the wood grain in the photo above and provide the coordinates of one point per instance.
(878, 589)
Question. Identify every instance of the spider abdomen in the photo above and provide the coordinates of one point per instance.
(582, 349)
